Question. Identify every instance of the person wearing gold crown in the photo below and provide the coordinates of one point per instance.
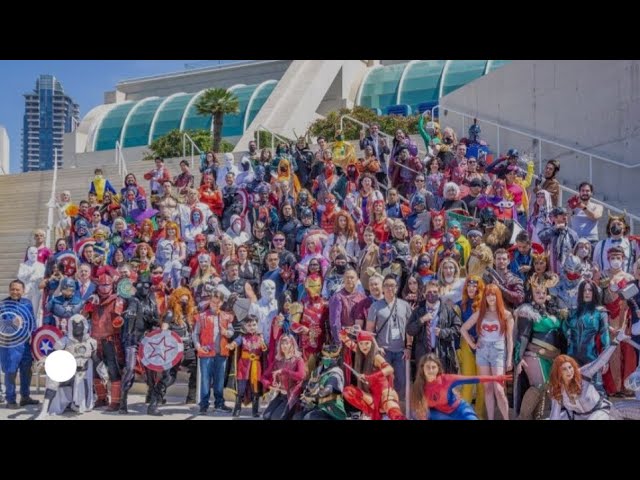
(312, 328)
(538, 340)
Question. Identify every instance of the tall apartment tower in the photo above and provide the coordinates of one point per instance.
(48, 115)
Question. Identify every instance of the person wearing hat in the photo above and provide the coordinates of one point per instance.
(550, 183)
(374, 395)
(481, 255)
(471, 200)
(559, 239)
(499, 168)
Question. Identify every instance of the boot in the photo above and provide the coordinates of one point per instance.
(191, 396)
(255, 406)
(101, 394)
(123, 404)
(355, 397)
(147, 399)
(394, 413)
(237, 407)
(48, 396)
(114, 405)
(153, 407)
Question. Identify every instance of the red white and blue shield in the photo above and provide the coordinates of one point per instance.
(44, 339)
(161, 350)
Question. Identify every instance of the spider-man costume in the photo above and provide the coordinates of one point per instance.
(444, 404)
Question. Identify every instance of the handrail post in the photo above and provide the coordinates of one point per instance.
(52, 200)
(540, 154)
(498, 142)
(184, 150)
(591, 169)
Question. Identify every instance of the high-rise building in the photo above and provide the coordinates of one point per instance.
(48, 115)
(4, 151)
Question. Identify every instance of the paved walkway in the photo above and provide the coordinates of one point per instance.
(173, 410)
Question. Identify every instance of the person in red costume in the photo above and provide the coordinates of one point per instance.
(432, 395)
(327, 218)
(380, 224)
(311, 329)
(211, 196)
(374, 394)
(104, 311)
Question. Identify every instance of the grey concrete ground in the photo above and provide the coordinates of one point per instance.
(175, 409)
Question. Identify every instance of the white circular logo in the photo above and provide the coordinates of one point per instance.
(60, 366)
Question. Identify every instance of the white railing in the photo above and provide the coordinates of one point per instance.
(120, 161)
(186, 137)
(262, 128)
(539, 140)
(52, 200)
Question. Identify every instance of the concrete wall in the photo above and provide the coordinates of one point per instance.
(590, 105)
(195, 80)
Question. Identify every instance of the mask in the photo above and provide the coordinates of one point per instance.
(432, 297)
(78, 329)
(339, 138)
(98, 177)
(245, 166)
(327, 362)
(423, 268)
(448, 140)
(616, 229)
(583, 252)
(156, 279)
(236, 227)
(616, 264)
(341, 269)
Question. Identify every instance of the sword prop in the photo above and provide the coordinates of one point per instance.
(358, 375)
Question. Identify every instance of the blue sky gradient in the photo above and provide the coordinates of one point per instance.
(85, 81)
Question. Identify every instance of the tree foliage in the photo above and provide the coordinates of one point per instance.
(170, 145)
(217, 102)
(388, 123)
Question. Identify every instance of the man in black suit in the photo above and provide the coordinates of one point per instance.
(380, 148)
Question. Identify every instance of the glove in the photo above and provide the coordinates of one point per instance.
(604, 282)
(374, 377)
(102, 372)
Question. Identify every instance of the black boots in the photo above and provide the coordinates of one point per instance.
(123, 404)
(255, 406)
(237, 407)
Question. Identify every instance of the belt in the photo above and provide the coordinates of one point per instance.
(328, 398)
(543, 348)
(250, 356)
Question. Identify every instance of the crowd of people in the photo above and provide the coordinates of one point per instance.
(340, 283)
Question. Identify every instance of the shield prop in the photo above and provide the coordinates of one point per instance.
(161, 350)
(126, 289)
(44, 339)
(16, 323)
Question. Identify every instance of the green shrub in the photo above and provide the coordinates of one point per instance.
(388, 123)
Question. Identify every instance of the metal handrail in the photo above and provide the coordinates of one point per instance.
(52, 200)
(120, 162)
(540, 140)
(260, 128)
(186, 137)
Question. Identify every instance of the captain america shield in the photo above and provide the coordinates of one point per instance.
(44, 339)
(161, 350)
(16, 323)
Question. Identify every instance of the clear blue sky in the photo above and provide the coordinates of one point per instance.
(83, 80)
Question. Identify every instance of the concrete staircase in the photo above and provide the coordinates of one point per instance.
(24, 198)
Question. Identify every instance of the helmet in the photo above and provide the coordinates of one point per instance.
(513, 153)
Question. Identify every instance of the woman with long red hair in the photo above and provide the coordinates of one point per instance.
(344, 233)
(573, 396)
(494, 324)
(472, 293)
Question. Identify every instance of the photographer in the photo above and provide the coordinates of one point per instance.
(585, 213)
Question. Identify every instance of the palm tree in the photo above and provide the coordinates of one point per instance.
(217, 102)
